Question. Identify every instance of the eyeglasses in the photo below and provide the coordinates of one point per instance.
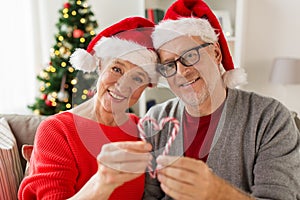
(187, 59)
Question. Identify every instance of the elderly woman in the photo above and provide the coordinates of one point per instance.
(93, 151)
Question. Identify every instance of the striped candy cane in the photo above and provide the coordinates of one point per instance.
(158, 127)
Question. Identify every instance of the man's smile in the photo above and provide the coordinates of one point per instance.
(189, 83)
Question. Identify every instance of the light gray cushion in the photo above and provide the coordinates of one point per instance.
(23, 128)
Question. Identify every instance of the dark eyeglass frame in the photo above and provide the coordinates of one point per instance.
(181, 60)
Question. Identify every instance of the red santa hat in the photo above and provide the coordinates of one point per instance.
(195, 18)
(129, 39)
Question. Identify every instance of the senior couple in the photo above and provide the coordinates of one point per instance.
(231, 144)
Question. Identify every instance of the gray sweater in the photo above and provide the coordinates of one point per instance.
(255, 148)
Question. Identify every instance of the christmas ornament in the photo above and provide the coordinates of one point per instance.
(44, 96)
(67, 5)
(63, 96)
(48, 103)
(77, 33)
(158, 127)
(90, 93)
(62, 50)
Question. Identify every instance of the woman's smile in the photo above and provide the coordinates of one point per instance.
(116, 95)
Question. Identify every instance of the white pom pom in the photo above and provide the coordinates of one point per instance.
(82, 60)
(235, 77)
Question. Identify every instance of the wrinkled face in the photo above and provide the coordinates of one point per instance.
(120, 85)
(196, 83)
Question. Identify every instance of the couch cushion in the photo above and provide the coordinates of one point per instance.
(26, 153)
(11, 171)
(23, 128)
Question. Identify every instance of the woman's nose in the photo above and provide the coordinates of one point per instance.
(124, 84)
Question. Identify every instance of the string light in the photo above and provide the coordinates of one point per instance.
(60, 38)
(85, 91)
(74, 12)
(78, 2)
(63, 64)
(74, 90)
(52, 69)
(42, 88)
(68, 105)
(83, 97)
(66, 16)
(54, 95)
(92, 32)
(83, 20)
(74, 81)
(44, 75)
(65, 10)
(71, 69)
(52, 99)
(36, 112)
(82, 40)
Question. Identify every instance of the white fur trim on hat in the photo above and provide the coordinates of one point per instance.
(168, 30)
(113, 47)
(135, 53)
(83, 60)
(235, 77)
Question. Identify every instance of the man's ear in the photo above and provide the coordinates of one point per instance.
(218, 53)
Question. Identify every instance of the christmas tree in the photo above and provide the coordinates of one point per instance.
(63, 87)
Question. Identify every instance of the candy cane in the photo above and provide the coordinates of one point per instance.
(174, 132)
(143, 136)
(158, 127)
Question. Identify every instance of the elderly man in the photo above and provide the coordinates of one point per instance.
(231, 144)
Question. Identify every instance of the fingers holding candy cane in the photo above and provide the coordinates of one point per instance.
(120, 162)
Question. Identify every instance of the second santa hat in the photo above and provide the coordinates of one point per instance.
(128, 39)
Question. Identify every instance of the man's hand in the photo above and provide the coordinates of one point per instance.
(186, 178)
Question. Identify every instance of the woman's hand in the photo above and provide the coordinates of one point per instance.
(118, 162)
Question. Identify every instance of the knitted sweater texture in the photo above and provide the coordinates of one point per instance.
(64, 157)
(256, 146)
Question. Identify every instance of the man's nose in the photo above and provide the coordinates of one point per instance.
(181, 69)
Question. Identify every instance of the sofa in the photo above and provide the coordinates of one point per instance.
(23, 128)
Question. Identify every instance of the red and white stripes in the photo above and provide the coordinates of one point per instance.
(158, 127)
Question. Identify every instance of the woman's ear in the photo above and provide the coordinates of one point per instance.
(152, 85)
(100, 64)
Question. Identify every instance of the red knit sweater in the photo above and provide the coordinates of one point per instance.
(64, 157)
